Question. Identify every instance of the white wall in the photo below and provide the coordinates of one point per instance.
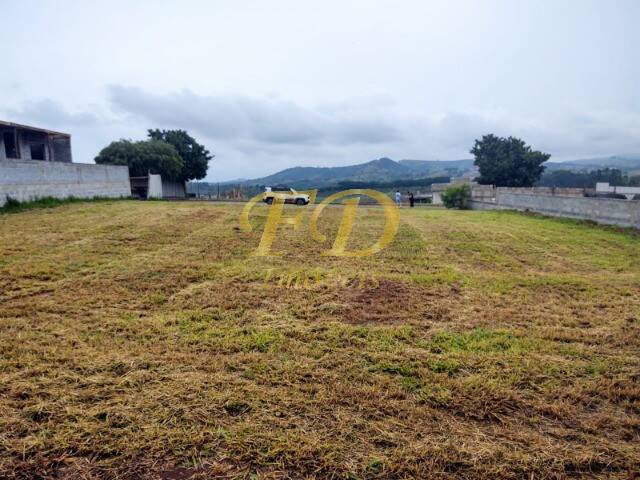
(155, 186)
(26, 180)
(602, 210)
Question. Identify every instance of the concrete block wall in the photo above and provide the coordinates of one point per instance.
(569, 192)
(602, 210)
(483, 192)
(26, 180)
(486, 192)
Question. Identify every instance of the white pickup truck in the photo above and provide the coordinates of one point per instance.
(289, 195)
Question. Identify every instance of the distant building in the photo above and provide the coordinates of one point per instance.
(603, 188)
(21, 142)
(154, 186)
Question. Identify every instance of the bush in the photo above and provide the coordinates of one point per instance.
(458, 196)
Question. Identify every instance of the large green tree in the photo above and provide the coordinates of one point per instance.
(151, 156)
(507, 162)
(195, 156)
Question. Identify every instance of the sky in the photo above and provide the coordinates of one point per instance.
(268, 85)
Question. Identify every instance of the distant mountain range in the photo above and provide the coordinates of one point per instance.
(380, 170)
(627, 163)
(386, 170)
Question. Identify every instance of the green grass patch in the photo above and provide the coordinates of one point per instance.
(14, 206)
(476, 341)
(214, 330)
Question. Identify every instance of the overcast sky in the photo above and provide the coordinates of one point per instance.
(267, 85)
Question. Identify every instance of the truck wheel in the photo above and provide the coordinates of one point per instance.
(300, 201)
(269, 200)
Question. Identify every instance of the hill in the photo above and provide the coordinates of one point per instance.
(625, 163)
(380, 170)
(431, 167)
(388, 170)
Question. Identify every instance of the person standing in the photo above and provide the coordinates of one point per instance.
(398, 198)
(412, 199)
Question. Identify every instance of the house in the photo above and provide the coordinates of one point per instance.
(21, 142)
(37, 163)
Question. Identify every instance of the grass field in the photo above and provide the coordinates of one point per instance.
(142, 340)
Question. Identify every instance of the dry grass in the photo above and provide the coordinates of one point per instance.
(140, 340)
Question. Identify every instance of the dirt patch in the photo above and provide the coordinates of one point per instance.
(225, 295)
(358, 302)
(391, 301)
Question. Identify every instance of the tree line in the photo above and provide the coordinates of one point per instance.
(587, 179)
(410, 182)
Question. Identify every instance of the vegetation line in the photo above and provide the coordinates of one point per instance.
(15, 206)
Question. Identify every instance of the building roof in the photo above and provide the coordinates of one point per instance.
(4, 123)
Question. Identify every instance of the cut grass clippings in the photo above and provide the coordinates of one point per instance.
(143, 340)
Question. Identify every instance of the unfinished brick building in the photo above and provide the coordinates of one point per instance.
(21, 142)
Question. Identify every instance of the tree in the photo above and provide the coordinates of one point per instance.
(195, 156)
(583, 179)
(457, 196)
(507, 162)
(151, 156)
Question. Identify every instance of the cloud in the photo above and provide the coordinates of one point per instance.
(253, 137)
(261, 120)
(352, 131)
(563, 134)
(48, 113)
